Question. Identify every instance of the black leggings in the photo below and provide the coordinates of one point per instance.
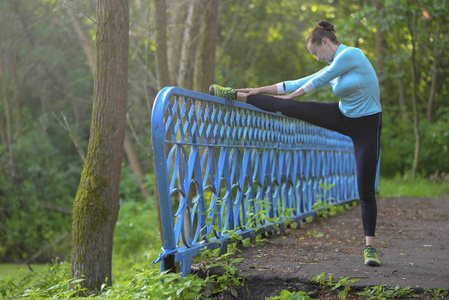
(365, 135)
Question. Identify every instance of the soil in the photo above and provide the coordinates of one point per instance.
(412, 235)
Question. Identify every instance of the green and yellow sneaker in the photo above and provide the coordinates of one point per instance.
(371, 256)
(223, 92)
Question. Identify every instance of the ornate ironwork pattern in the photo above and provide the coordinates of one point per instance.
(229, 167)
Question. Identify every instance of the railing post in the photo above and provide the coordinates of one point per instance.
(160, 158)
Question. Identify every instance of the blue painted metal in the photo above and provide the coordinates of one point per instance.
(225, 166)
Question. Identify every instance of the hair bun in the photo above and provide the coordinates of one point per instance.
(326, 25)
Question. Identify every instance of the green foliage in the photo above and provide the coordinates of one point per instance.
(136, 235)
(327, 284)
(379, 292)
(437, 293)
(263, 42)
(226, 263)
(144, 283)
(315, 234)
(344, 283)
(38, 177)
(324, 206)
(39, 285)
(393, 22)
(408, 186)
(324, 283)
(149, 283)
(287, 295)
(435, 145)
(398, 147)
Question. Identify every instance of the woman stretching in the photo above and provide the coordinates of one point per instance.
(357, 114)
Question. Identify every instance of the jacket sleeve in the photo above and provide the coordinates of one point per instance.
(293, 85)
(345, 62)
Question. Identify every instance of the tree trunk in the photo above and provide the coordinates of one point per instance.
(401, 97)
(205, 55)
(136, 168)
(433, 86)
(8, 138)
(415, 83)
(96, 205)
(178, 10)
(85, 42)
(381, 44)
(163, 76)
(131, 154)
(163, 79)
(190, 45)
(4, 96)
(15, 92)
(2, 135)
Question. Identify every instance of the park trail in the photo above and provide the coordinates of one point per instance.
(412, 235)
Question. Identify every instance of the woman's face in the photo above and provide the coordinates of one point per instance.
(322, 52)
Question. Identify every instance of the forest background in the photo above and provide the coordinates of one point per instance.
(46, 76)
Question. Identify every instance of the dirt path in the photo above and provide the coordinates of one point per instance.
(412, 234)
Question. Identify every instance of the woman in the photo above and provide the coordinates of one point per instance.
(357, 114)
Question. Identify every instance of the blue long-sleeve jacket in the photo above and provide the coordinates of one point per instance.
(352, 78)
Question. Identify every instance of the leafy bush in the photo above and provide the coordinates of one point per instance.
(35, 178)
(435, 145)
(144, 283)
(41, 176)
(398, 146)
(136, 232)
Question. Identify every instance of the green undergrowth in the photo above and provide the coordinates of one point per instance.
(135, 277)
(343, 289)
(146, 282)
(407, 186)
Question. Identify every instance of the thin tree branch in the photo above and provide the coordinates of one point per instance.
(147, 151)
(56, 208)
(67, 128)
(80, 11)
(42, 250)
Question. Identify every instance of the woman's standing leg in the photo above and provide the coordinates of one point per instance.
(365, 133)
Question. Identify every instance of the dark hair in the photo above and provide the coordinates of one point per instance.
(325, 30)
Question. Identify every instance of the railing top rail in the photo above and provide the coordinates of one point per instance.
(281, 132)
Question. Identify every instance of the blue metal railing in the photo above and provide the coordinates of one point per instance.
(227, 166)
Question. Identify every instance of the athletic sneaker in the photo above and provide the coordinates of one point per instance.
(371, 256)
(223, 92)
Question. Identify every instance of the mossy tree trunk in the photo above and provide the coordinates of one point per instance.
(96, 204)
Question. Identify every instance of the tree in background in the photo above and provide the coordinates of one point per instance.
(96, 205)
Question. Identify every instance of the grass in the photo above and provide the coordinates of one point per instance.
(412, 187)
(14, 269)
